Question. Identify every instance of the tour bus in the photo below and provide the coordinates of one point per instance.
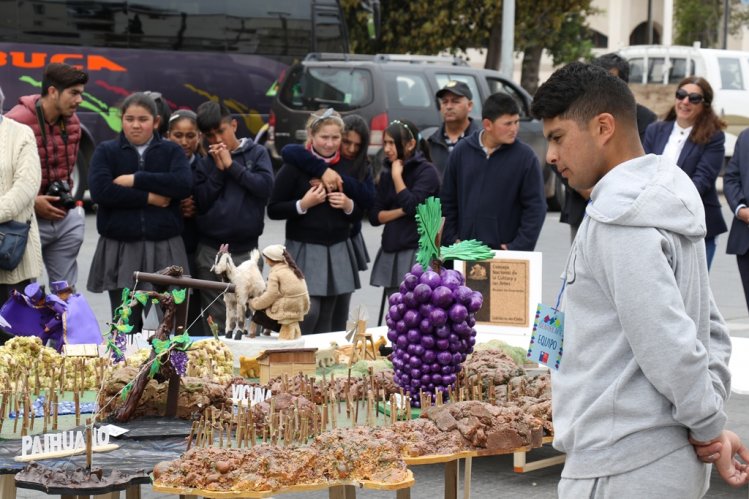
(232, 51)
(653, 66)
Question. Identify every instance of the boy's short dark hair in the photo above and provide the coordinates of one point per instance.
(497, 105)
(580, 91)
(211, 114)
(62, 76)
(614, 61)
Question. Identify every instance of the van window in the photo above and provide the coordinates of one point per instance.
(678, 70)
(496, 85)
(656, 69)
(636, 69)
(443, 78)
(730, 73)
(344, 89)
(408, 90)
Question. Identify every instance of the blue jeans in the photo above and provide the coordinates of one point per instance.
(710, 244)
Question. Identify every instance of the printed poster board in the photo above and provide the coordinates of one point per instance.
(511, 285)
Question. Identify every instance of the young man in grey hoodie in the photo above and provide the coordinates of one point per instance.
(638, 400)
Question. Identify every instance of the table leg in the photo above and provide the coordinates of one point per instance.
(342, 492)
(451, 479)
(8, 486)
(467, 478)
(403, 493)
(133, 492)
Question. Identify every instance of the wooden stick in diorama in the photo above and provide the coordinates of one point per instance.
(3, 406)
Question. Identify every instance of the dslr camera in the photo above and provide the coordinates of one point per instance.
(61, 189)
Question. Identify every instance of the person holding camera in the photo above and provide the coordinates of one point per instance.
(51, 116)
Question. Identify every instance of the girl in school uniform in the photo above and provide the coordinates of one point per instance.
(137, 180)
(318, 224)
(407, 179)
(183, 130)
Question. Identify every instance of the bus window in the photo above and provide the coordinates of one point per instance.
(678, 70)
(730, 73)
(636, 69)
(95, 23)
(656, 69)
(328, 35)
(9, 19)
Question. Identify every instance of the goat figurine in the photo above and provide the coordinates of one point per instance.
(248, 283)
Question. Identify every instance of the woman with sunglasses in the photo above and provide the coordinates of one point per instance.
(692, 137)
(407, 179)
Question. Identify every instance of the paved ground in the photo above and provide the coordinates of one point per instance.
(493, 476)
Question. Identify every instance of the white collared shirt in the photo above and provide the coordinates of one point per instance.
(676, 142)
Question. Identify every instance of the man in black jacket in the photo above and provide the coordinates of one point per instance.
(455, 101)
(493, 187)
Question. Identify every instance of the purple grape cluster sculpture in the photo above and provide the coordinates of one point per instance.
(431, 326)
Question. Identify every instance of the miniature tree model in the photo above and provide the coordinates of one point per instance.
(168, 358)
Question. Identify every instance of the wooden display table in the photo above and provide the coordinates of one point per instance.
(337, 490)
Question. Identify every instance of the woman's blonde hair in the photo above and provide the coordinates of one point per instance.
(321, 118)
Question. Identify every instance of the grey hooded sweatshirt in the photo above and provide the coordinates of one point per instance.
(645, 362)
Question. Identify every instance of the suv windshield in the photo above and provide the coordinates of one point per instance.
(345, 89)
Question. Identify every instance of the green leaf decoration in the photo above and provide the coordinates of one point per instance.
(155, 301)
(124, 328)
(161, 346)
(428, 221)
(469, 250)
(125, 313)
(179, 295)
(126, 390)
(182, 342)
(125, 295)
(141, 297)
(155, 366)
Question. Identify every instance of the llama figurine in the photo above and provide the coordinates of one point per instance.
(248, 283)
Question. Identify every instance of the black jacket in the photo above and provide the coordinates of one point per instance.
(497, 200)
(736, 190)
(422, 180)
(438, 147)
(702, 162)
(123, 212)
(231, 203)
(322, 224)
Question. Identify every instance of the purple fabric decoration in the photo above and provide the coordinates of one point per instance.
(50, 318)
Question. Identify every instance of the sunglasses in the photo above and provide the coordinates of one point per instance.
(694, 97)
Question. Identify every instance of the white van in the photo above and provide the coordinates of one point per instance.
(726, 70)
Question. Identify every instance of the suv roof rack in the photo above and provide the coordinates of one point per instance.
(421, 59)
(337, 56)
(404, 58)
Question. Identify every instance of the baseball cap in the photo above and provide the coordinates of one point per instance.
(455, 87)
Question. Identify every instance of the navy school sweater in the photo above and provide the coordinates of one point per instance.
(322, 224)
(497, 200)
(422, 180)
(123, 212)
(231, 203)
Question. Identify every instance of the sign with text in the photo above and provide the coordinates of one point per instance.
(511, 286)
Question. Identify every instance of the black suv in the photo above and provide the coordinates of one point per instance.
(384, 87)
